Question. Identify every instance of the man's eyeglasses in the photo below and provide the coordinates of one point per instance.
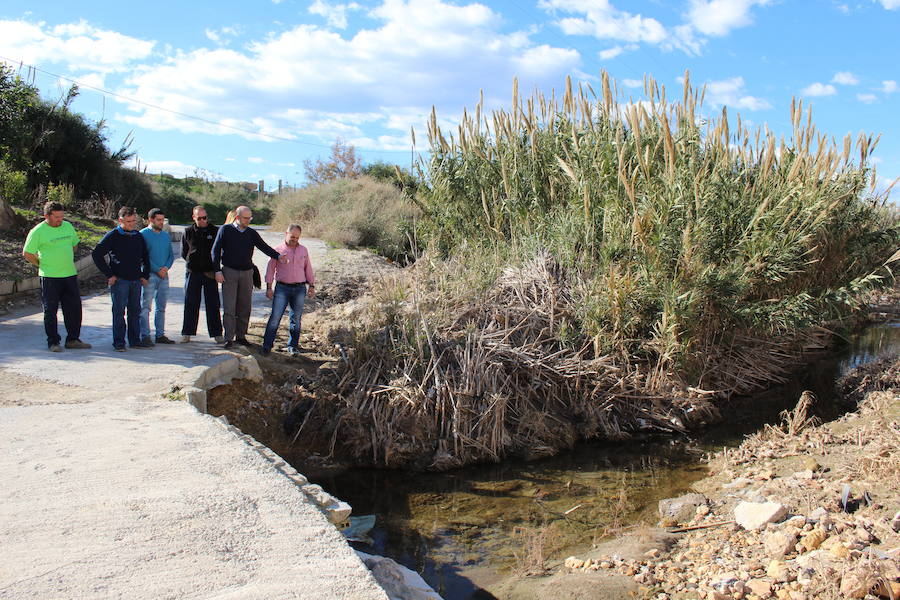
(203, 218)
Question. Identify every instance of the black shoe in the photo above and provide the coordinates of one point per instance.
(144, 343)
(266, 351)
(77, 345)
(161, 339)
(230, 344)
(243, 342)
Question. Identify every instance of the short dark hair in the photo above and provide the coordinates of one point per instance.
(155, 211)
(126, 211)
(52, 206)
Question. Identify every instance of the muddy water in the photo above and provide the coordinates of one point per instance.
(463, 530)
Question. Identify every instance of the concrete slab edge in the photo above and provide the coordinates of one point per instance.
(84, 266)
(246, 367)
(193, 390)
(336, 511)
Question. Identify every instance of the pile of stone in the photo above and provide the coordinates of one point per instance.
(811, 533)
(763, 551)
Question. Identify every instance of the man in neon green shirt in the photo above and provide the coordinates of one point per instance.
(50, 246)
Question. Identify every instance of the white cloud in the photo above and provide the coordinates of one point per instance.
(255, 160)
(719, 17)
(889, 86)
(845, 78)
(313, 81)
(599, 18)
(95, 80)
(335, 14)
(819, 89)
(75, 45)
(890, 4)
(287, 164)
(603, 21)
(633, 83)
(230, 159)
(867, 98)
(220, 36)
(730, 92)
(610, 53)
(171, 167)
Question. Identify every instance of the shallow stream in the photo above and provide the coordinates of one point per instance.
(463, 530)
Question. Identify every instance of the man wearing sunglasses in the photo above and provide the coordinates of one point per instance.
(199, 277)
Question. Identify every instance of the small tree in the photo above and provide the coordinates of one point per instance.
(393, 174)
(342, 164)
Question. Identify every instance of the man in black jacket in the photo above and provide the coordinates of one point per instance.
(123, 257)
(199, 277)
(232, 256)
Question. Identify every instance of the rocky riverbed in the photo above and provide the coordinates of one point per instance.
(798, 511)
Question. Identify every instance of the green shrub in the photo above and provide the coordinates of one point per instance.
(358, 212)
(13, 186)
(62, 193)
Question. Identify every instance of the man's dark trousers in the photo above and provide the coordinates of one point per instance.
(56, 291)
(196, 284)
(126, 297)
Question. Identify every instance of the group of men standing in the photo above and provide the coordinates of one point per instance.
(137, 263)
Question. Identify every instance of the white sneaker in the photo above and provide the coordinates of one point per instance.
(185, 339)
(219, 339)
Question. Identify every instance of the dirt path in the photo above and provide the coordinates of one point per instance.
(111, 490)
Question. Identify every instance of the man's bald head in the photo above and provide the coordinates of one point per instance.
(243, 215)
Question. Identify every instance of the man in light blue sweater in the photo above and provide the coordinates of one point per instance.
(159, 245)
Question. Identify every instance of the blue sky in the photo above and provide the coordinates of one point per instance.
(252, 89)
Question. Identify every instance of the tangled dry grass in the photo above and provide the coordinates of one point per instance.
(436, 378)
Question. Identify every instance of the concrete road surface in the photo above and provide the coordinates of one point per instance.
(108, 490)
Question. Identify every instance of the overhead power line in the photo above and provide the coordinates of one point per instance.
(175, 112)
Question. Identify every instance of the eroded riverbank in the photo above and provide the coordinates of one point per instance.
(472, 532)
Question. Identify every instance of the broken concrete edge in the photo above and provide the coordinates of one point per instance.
(398, 582)
(336, 511)
(84, 266)
(194, 389)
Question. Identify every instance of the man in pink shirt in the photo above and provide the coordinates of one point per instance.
(292, 278)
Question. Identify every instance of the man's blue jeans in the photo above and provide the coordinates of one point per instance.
(156, 291)
(126, 296)
(285, 295)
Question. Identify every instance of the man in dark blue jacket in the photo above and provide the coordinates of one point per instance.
(232, 256)
(123, 257)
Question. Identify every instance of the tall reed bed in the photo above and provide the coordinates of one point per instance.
(599, 267)
(687, 233)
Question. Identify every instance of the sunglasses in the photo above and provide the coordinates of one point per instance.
(203, 218)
